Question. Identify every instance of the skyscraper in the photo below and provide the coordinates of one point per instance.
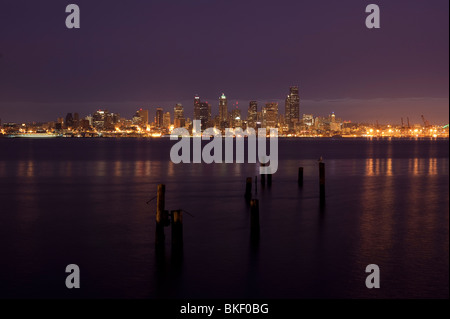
(167, 120)
(292, 107)
(203, 113)
(99, 119)
(178, 118)
(159, 118)
(223, 108)
(252, 114)
(196, 107)
(76, 120)
(143, 114)
(270, 115)
(69, 120)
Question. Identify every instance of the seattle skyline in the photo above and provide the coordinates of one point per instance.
(156, 55)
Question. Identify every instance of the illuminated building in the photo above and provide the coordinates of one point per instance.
(236, 120)
(252, 115)
(223, 111)
(166, 120)
(178, 119)
(197, 107)
(204, 114)
(143, 114)
(159, 118)
(308, 120)
(292, 107)
(270, 115)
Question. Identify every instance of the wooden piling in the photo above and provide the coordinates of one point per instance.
(177, 228)
(263, 176)
(269, 179)
(322, 181)
(300, 176)
(254, 218)
(248, 188)
(160, 203)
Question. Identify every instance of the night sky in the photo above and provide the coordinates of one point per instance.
(155, 53)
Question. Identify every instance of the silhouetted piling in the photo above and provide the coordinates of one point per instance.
(269, 179)
(177, 228)
(300, 176)
(254, 218)
(160, 203)
(322, 181)
(263, 177)
(248, 188)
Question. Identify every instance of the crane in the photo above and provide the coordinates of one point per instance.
(425, 122)
(403, 125)
(408, 122)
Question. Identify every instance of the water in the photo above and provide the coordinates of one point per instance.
(83, 201)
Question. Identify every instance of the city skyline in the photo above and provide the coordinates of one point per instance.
(269, 115)
(378, 106)
(126, 59)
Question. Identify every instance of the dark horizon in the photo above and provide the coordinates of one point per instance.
(130, 55)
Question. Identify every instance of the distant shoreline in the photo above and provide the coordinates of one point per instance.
(48, 136)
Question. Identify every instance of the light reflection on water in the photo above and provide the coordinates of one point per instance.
(385, 205)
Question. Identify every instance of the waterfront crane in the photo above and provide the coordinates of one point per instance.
(425, 122)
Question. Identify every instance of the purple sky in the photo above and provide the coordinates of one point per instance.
(154, 53)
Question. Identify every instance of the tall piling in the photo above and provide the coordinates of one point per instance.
(300, 176)
(254, 219)
(160, 204)
(322, 181)
(269, 179)
(248, 188)
(177, 229)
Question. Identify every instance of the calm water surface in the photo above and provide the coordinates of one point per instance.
(83, 201)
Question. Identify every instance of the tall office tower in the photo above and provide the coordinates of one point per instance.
(76, 119)
(143, 114)
(252, 114)
(98, 118)
(69, 120)
(204, 114)
(270, 115)
(159, 118)
(223, 108)
(166, 120)
(178, 118)
(292, 107)
(197, 107)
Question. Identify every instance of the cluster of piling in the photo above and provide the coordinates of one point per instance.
(175, 217)
(254, 203)
(163, 219)
(248, 187)
(321, 180)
